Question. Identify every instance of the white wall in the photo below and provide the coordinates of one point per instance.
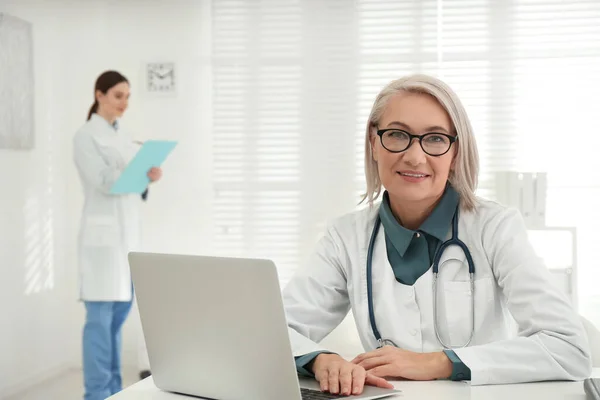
(41, 200)
(36, 289)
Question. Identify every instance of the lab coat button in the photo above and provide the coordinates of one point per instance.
(413, 332)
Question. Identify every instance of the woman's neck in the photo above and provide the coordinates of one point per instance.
(111, 119)
(411, 215)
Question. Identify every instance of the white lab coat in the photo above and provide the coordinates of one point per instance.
(110, 225)
(511, 280)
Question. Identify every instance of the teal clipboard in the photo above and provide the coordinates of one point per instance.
(134, 179)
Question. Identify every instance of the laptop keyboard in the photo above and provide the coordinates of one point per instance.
(309, 394)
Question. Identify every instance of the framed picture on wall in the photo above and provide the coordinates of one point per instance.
(16, 83)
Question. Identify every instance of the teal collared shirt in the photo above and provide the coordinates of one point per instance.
(411, 254)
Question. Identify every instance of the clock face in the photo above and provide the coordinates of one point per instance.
(161, 77)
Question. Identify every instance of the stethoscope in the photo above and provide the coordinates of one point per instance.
(454, 240)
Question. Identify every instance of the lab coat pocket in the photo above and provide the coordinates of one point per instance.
(101, 232)
(458, 307)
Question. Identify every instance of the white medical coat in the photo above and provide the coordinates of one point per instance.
(512, 285)
(110, 225)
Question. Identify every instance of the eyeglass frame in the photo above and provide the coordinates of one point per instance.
(380, 133)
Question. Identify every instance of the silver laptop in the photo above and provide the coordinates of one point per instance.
(216, 328)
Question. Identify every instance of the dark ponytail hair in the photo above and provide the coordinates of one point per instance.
(104, 83)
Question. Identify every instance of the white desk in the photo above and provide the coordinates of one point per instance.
(443, 390)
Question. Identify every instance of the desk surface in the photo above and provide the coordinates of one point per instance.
(446, 390)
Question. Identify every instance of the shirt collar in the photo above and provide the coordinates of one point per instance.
(437, 224)
(114, 125)
(439, 221)
(398, 235)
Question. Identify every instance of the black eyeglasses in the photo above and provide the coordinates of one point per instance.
(397, 141)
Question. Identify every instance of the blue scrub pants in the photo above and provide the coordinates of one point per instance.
(102, 348)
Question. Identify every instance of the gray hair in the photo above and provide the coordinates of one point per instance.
(463, 176)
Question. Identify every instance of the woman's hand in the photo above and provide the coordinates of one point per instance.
(338, 376)
(390, 361)
(154, 174)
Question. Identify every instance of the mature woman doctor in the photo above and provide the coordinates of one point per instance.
(109, 230)
(419, 317)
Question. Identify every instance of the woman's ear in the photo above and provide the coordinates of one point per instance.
(98, 95)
